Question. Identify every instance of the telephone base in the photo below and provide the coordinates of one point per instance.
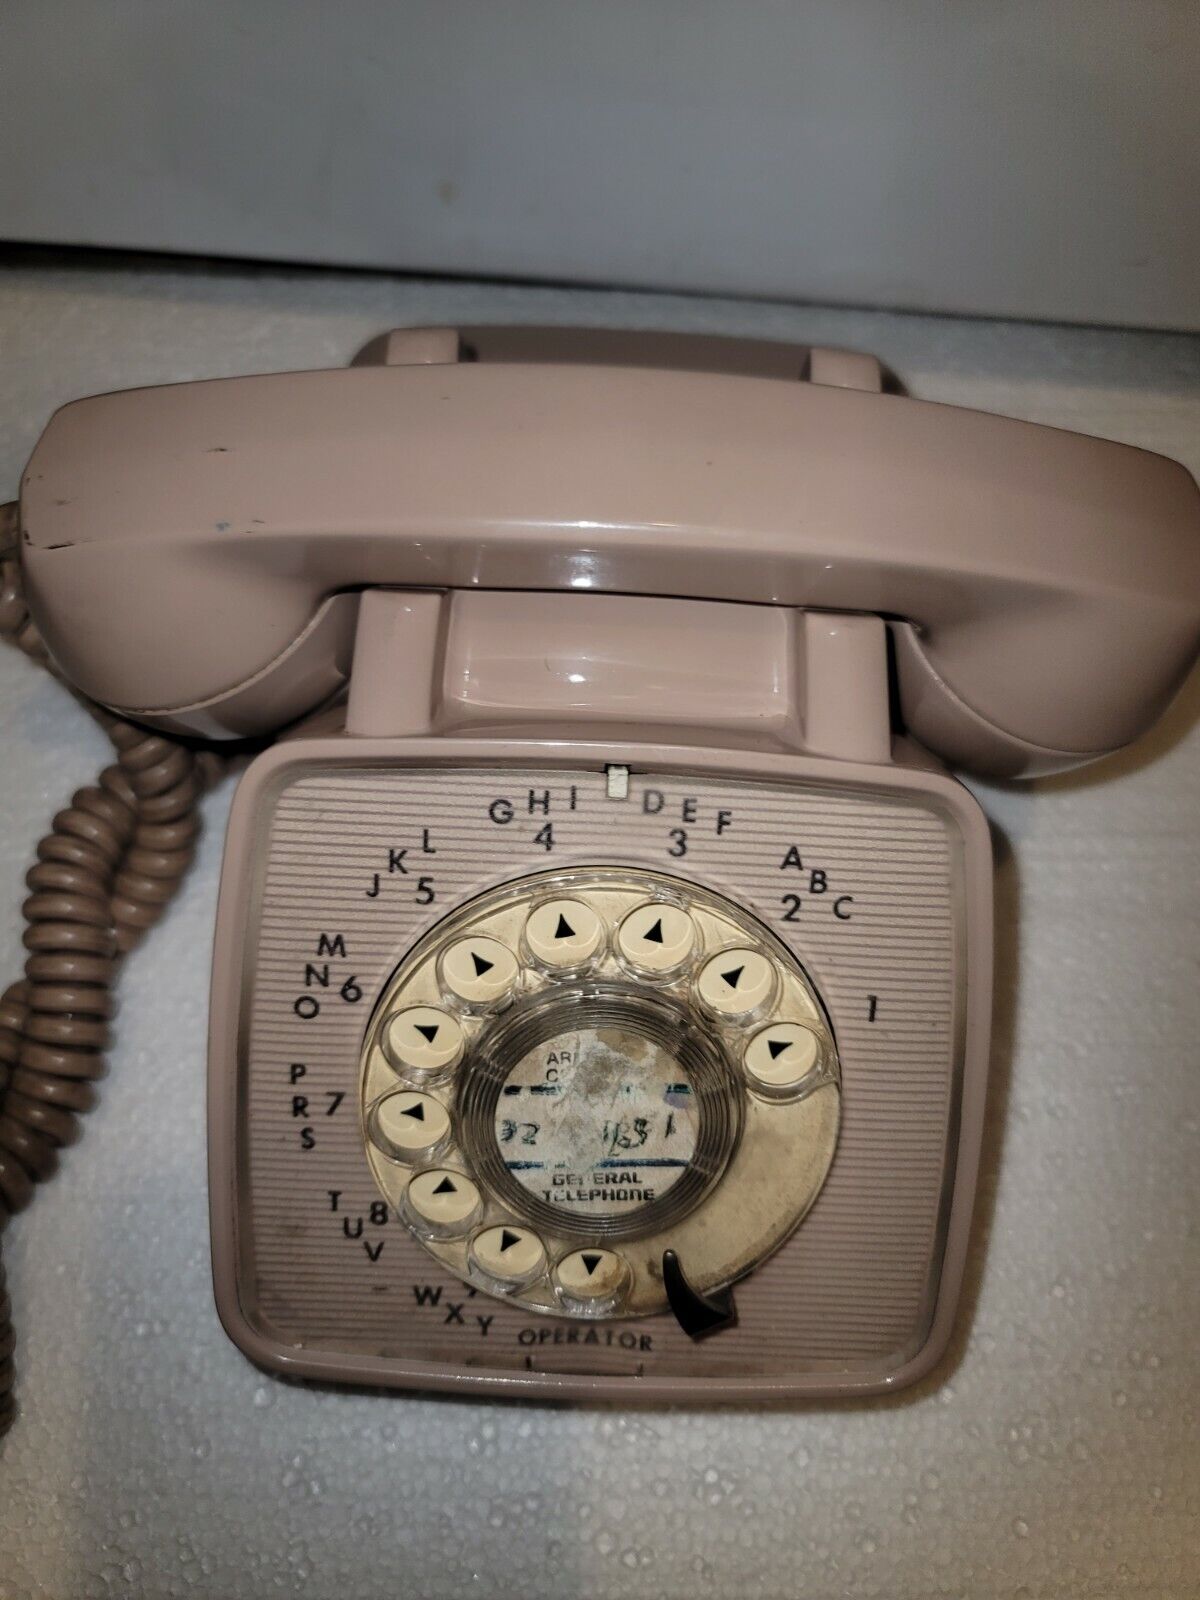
(353, 870)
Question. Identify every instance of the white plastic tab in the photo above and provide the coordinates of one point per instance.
(616, 778)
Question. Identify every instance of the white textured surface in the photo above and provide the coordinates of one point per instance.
(1055, 1455)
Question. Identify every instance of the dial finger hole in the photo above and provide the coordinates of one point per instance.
(423, 1041)
(780, 1058)
(479, 970)
(657, 939)
(737, 982)
(564, 934)
(591, 1281)
(508, 1256)
(441, 1203)
(410, 1126)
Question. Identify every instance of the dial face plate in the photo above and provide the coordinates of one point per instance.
(357, 865)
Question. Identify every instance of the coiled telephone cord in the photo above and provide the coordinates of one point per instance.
(104, 874)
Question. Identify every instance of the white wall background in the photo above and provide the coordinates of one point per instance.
(1032, 158)
(1054, 1455)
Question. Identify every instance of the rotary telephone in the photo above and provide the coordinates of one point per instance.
(600, 999)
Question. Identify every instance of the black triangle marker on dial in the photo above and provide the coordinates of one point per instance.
(428, 1030)
(447, 1186)
(508, 1239)
(481, 966)
(777, 1047)
(591, 1261)
(654, 935)
(416, 1111)
(564, 929)
(731, 977)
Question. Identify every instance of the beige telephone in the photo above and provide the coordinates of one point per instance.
(600, 1001)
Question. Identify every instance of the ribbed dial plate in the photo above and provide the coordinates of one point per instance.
(358, 863)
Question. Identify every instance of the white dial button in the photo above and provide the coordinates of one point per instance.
(781, 1056)
(590, 1278)
(736, 982)
(479, 970)
(657, 938)
(509, 1255)
(443, 1202)
(563, 933)
(410, 1126)
(423, 1039)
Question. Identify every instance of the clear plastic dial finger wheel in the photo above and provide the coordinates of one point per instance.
(630, 1071)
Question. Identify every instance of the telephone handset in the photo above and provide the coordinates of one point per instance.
(609, 939)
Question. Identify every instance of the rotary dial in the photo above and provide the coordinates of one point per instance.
(600, 1092)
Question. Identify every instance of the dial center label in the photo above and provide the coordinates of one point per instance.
(598, 1120)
